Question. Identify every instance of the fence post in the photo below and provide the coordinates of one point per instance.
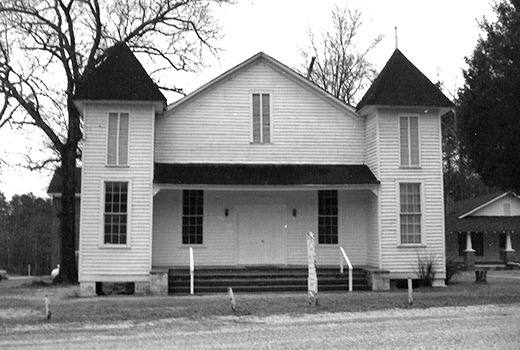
(410, 289)
(312, 282)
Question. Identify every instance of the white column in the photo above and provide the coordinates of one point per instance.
(509, 246)
(469, 246)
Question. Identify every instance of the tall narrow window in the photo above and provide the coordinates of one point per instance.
(116, 212)
(328, 217)
(117, 148)
(410, 213)
(192, 215)
(261, 118)
(409, 139)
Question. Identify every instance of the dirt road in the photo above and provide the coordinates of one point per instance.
(473, 327)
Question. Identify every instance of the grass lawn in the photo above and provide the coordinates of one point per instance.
(23, 304)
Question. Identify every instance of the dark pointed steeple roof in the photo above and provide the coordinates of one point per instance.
(120, 77)
(400, 83)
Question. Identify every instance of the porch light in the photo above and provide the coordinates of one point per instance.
(294, 212)
(226, 212)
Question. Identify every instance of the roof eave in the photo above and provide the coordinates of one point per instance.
(160, 106)
(367, 109)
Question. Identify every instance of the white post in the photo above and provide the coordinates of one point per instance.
(410, 289)
(47, 308)
(509, 246)
(312, 282)
(192, 273)
(350, 286)
(469, 246)
(341, 268)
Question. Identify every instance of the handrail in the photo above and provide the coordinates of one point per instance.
(349, 265)
(192, 273)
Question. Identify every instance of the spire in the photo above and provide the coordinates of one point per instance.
(400, 83)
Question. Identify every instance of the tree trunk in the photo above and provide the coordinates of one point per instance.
(68, 269)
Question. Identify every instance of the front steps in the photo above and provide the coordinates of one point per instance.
(262, 280)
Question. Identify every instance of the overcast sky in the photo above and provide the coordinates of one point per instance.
(434, 35)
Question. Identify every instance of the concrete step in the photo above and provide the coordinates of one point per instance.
(262, 280)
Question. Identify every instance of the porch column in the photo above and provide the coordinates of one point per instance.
(509, 252)
(469, 254)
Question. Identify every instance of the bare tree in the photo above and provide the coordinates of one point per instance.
(341, 66)
(50, 47)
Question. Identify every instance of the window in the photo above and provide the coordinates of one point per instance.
(116, 212)
(328, 217)
(261, 118)
(117, 148)
(410, 213)
(477, 243)
(409, 137)
(507, 209)
(192, 214)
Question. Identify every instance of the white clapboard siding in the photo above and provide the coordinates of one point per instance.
(403, 259)
(215, 127)
(100, 262)
(496, 208)
(221, 232)
(372, 144)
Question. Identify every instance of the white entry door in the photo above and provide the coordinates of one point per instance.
(261, 234)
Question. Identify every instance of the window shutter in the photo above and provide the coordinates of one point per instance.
(403, 128)
(266, 116)
(256, 118)
(123, 139)
(112, 139)
(414, 141)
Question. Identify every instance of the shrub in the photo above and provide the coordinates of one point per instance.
(426, 269)
(452, 268)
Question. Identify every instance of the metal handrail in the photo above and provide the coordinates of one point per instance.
(192, 273)
(349, 265)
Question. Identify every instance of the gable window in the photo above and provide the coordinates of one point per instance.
(117, 146)
(409, 140)
(410, 212)
(192, 215)
(507, 209)
(477, 243)
(261, 118)
(116, 212)
(328, 217)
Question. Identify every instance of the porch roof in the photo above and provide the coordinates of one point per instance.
(263, 174)
(486, 224)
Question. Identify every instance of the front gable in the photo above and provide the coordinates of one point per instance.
(215, 124)
(506, 204)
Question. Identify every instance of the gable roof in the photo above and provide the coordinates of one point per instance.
(276, 65)
(120, 77)
(473, 205)
(263, 174)
(400, 83)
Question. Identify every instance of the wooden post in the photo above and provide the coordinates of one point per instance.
(232, 299)
(28, 269)
(410, 289)
(47, 308)
(192, 273)
(312, 281)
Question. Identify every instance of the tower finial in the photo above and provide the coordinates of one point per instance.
(396, 41)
